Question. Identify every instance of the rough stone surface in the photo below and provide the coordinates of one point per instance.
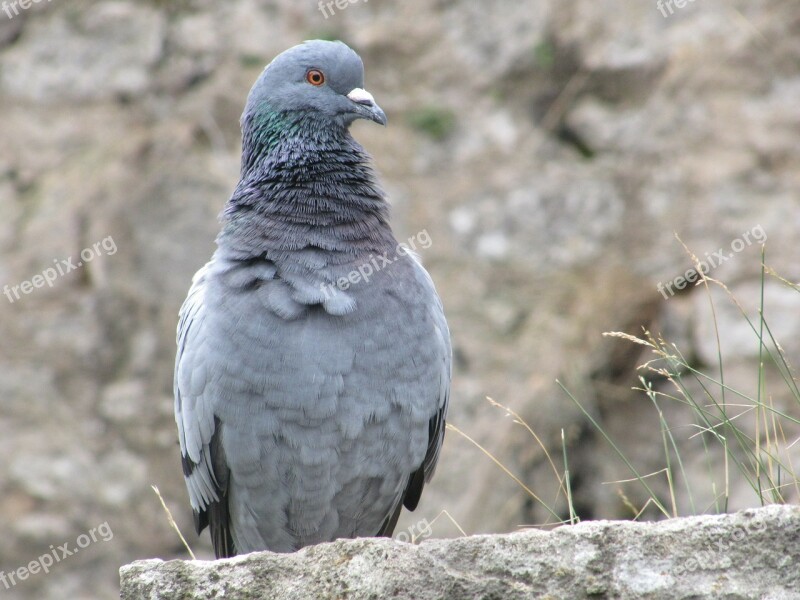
(750, 555)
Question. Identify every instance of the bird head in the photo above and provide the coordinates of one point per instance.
(319, 82)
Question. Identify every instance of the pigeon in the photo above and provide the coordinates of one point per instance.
(312, 375)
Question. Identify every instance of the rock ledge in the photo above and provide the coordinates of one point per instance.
(750, 554)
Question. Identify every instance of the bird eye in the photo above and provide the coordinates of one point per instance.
(315, 77)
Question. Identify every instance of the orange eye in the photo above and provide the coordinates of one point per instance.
(315, 77)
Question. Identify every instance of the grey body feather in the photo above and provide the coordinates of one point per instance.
(307, 412)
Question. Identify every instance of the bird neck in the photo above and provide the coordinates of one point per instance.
(304, 185)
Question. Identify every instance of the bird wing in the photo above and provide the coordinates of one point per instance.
(418, 479)
(204, 466)
(436, 425)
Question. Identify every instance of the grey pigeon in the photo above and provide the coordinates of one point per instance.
(313, 366)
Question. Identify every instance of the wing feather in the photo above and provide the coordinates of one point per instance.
(199, 431)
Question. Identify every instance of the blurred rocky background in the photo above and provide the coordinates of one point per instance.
(550, 148)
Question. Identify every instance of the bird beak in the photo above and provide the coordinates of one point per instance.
(367, 107)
